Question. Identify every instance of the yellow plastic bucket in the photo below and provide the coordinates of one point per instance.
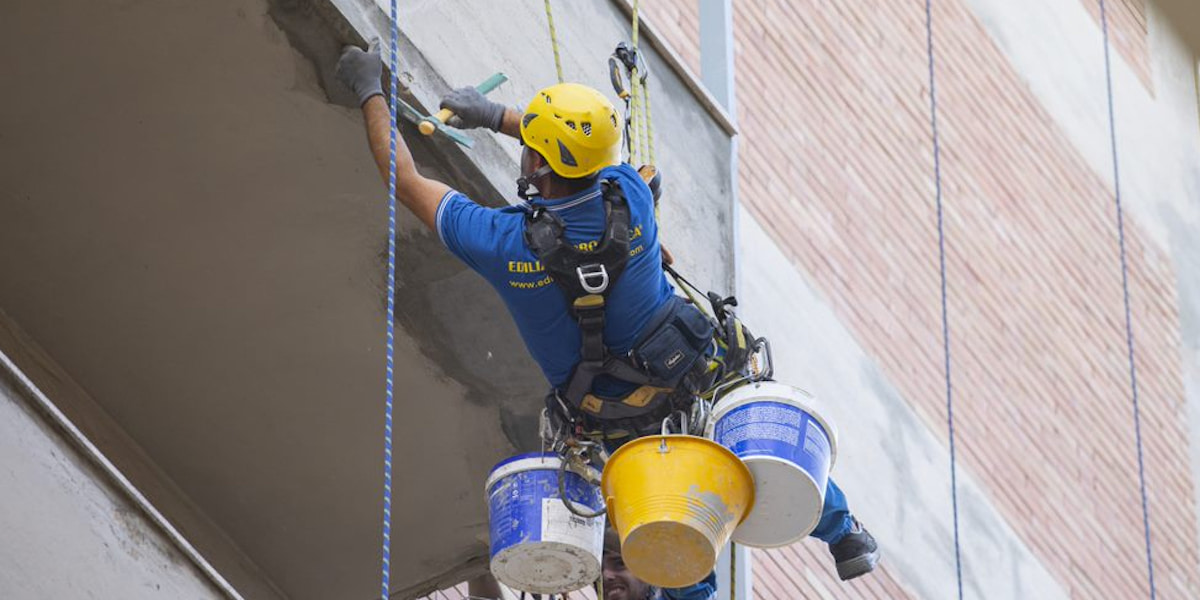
(675, 501)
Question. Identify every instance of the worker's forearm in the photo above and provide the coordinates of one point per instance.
(418, 194)
(511, 124)
(378, 121)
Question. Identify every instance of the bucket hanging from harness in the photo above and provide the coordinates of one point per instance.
(668, 357)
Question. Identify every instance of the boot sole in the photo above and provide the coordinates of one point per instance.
(858, 566)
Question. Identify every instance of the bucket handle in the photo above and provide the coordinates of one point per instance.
(666, 430)
(562, 493)
(699, 416)
(683, 423)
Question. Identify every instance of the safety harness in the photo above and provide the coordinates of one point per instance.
(587, 277)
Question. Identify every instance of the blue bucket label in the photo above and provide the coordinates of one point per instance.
(519, 508)
(777, 430)
(559, 524)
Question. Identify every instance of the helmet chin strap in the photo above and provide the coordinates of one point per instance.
(525, 181)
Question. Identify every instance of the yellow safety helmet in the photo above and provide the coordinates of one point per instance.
(575, 128)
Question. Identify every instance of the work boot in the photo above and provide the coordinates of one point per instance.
(855, 554)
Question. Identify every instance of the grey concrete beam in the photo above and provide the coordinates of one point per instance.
(63, 505)
(130, 468)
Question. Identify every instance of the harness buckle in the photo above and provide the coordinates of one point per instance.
(589, 274)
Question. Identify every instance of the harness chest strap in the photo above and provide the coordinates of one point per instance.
(587, 277)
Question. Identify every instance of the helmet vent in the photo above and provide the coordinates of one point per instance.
(571, 124)
(587, 128)
(614, 119)
(527, 119)
(567, 158)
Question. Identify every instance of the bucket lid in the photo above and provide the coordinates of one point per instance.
(530, 461)
(773, 391)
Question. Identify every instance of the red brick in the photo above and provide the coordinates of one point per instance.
(837, 165)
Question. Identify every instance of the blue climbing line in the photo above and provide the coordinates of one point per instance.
(937, 177)
(391, 312)
(1137, 413)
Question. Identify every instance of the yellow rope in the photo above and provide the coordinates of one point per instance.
(641, 123)
(649, 130)
(635, 24)
(554, 41)
(634, 120)
(1196, 79)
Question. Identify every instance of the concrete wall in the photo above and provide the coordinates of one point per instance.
(191, 227)
(68, 532)
(840, 267)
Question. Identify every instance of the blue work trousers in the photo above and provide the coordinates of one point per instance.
(835, 523)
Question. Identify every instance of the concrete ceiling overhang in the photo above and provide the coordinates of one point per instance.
(192, 227)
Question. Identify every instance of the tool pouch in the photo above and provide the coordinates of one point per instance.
(677, 347)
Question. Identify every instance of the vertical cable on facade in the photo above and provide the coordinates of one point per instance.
(937, 174)
(1133, 384)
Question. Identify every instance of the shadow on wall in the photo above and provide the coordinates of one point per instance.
(454, 316)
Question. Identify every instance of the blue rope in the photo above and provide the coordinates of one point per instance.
(1137, 417)
(391, 312)
(937, 171)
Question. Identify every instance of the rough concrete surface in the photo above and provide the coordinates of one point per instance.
(191, 225)
(67, 533)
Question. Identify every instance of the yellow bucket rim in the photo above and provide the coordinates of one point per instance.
(657, 439)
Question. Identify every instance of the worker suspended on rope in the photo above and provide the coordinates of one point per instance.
(580, 269)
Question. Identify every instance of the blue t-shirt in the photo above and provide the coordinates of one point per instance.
(492, 242)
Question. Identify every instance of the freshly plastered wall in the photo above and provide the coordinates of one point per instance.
(191, 231)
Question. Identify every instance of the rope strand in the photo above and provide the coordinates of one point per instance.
(1133, 384)
(391, 311)
(649, 124)
(937, 174)
(639, 98)
(554, 41)
(634, 119)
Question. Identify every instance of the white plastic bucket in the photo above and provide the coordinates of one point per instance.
(537, 544)
(789, 447)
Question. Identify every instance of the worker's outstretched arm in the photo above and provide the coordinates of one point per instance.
(361, 72)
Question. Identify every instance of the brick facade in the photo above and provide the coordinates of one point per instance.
(1129, 33)
(836, 161)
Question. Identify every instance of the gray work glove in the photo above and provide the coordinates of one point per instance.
(361, 72)
(472, 109)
